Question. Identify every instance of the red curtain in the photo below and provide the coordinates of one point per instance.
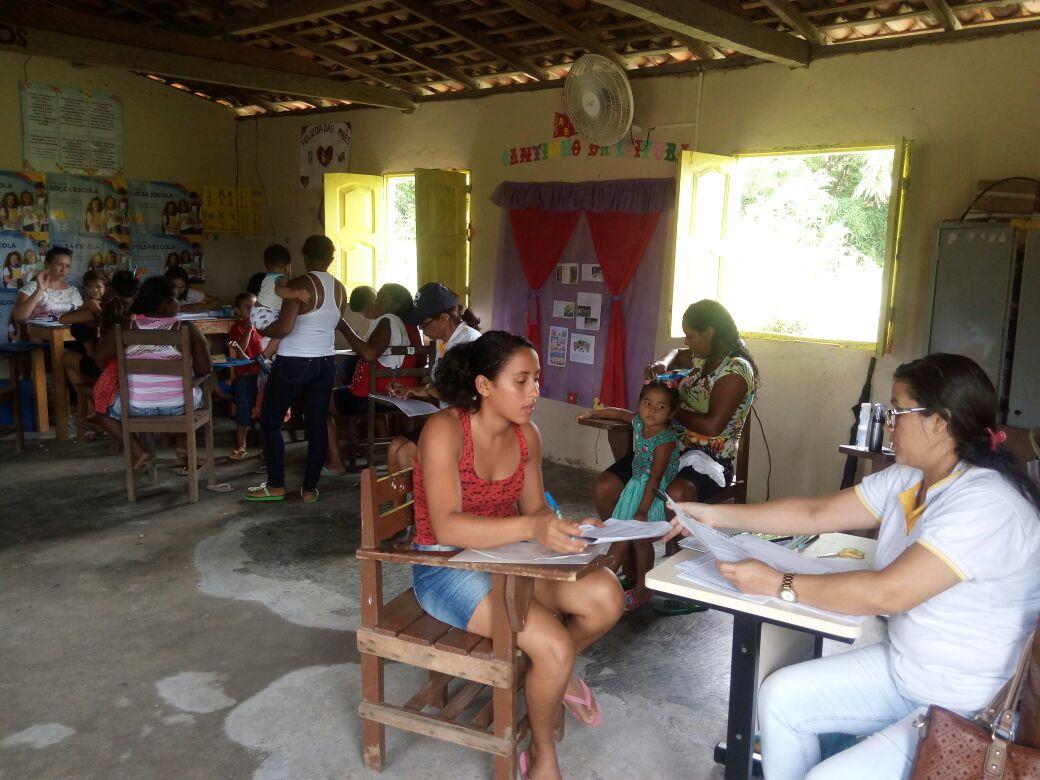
(541, 237)
(620, 240)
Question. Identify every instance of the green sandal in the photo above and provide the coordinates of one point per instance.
(673, 607)
(261, 493)
(309, 500)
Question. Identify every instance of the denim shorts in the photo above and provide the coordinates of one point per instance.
(450, 595)
(115, 410)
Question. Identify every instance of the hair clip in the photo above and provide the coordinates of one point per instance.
(995, 438)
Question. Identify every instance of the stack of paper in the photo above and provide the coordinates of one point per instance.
(410, 406)
(528, 552)
(614, 530)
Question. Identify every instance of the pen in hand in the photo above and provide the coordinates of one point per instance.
(559, 516)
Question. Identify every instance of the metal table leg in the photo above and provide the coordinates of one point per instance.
(743, 695)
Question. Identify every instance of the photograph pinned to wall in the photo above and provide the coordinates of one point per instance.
(116, 208)
(557, 346)
(583, 348)
(588, 310)
(22, 255)
(567, 273)
(164, 209)
(153, 255)
(23, 202)
(563, 309)
(591, 272)
(76, 204)
(324, 148)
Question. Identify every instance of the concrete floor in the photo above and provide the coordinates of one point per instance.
(170, 640)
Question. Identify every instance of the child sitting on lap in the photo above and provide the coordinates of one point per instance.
(273, 290)
(654, 465)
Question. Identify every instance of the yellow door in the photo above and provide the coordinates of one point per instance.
(893, 241)
(441, 229)
(354, 221)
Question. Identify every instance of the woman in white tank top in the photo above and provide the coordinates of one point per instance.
(304, 369)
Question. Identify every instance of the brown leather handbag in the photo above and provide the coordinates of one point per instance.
(955, 748)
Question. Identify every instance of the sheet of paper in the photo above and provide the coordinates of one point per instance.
(614, 530)
(410, 406)
(48, 322)
(201, 315)
(583, 348)
(715, 542)
(588, 310)
(528, 552)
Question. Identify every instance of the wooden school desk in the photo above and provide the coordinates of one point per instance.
(56, 335)
(766, 637)
(878, 460)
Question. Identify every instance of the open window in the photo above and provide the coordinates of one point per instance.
(798, 246)
(408, 228)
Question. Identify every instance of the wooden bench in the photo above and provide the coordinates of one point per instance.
(463, 667)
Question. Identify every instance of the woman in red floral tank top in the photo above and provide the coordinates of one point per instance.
(478, 483)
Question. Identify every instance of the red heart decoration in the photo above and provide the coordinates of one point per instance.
(304, 180)
(324, 154)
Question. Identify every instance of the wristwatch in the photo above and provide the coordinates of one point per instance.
(787, 590)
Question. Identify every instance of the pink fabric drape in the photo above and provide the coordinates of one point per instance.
(620, 240)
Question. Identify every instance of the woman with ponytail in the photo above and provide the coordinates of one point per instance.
(957, 571)
(478, 483)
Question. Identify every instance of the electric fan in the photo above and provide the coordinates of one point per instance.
(598, 99)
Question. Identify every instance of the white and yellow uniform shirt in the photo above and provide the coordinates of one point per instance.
(958, 648)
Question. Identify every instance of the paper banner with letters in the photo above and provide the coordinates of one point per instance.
(324, 148)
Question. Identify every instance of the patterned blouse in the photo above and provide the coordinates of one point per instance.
(694, 393)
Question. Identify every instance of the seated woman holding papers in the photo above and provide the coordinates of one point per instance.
(478, 483)
(958, 572)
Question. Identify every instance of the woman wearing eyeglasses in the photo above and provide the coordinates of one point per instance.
(957, 572)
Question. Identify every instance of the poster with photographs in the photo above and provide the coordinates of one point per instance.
(557, 346)
(587, 311)
(84, 204)
(22, 255)
(591, 272)
(154, 254)
(70, 130)
(8, 330)
(583, 348)
(23, 202)
(165, 209)
(563, 310)
(567, 273)
(88, 251)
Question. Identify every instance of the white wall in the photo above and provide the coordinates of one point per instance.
(963, 103)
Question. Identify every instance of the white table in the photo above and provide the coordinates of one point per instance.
(766, 637)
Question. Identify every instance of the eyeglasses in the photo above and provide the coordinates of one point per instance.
(891, 413)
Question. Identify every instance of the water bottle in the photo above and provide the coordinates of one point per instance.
(876, 429)
(864, 424)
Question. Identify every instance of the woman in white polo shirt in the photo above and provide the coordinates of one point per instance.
(958, 573)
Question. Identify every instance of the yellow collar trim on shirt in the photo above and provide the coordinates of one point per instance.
(908, 500)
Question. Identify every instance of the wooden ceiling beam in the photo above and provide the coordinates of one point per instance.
(403, 50)
(790, 14)
(277, 15)
(340, 57)
(704, 51)
(98, 41)
(944, 15)
(566, 30)
(424, 10)
(701, 20)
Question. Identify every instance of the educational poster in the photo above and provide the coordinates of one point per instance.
(563, 309)
(587, 311)
(219, 209)
(23, 202)
(591, 272)
(324, 148)
(252, 211)
(77, 204)
(583, 348)
(88, 251)
(71, 131)
(8, 298)
(152, 255)
(22, 255)
(567, 273)
(164, 209)
(557, 346)
(116, 208)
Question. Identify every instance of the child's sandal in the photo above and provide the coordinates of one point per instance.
(634, 603)
(238, 454)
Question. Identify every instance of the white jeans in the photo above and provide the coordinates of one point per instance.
(849, 693)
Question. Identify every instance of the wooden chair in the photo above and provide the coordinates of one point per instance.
(12, 393)
(187, 423)
(399, 630)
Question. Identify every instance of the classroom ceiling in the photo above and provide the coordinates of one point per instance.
(332, 54)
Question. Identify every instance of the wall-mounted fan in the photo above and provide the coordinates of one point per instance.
(598, 99)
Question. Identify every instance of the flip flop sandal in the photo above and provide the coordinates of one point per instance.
(585, 700)
(327, 472)
(238, 454)
(634, 603)
(309, 500)
(261, 469)
(523, 764)
(674, 607)
(223, 487)
(182, 471)
(261, 493)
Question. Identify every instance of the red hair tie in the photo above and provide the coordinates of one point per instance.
(995, 438)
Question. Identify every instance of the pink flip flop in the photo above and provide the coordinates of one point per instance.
(523, 764)
(585, 700)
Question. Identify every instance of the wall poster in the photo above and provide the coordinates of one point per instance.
(69, 130)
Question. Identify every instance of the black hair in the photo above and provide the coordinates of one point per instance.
(361, 297)
(726, 341)
(668, 388)
(54, 251)
(399, 297)
(125, 284)
(94, 275)
(176, 272)
(256, 281)
(957, 389)
(471, 319)
(319, 248)
(276, 256)
(155, 291)
(461, 365)
(122, 293)
(243, 296)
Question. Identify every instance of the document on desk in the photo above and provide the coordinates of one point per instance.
(409, 406)
(529, 552)
(47, 322)
(717, 543)
(188, 316)
(614, 530)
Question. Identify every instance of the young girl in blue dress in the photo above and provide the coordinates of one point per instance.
(655, 463)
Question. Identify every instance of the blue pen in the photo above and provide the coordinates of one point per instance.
(556, 509)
